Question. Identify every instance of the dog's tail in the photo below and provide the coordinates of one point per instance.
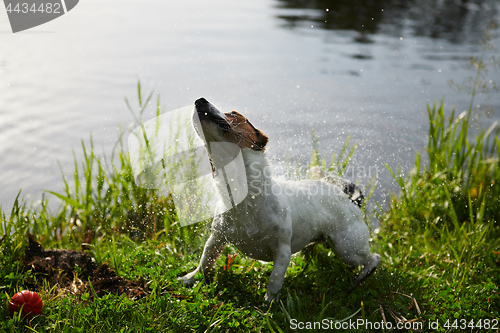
(352, 190)
(354, 193)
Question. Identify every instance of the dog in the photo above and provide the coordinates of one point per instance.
(278, 217)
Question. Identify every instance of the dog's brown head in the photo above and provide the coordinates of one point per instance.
(227, 127)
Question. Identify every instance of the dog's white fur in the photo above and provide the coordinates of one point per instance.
(278, 217)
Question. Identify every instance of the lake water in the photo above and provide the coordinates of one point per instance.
(360, 68)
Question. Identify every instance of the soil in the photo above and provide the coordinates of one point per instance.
(77, 272)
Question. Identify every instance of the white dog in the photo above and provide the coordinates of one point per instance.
(279, 218)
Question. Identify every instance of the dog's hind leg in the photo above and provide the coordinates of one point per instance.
(213, 249)
(368, 269)
(352, 246)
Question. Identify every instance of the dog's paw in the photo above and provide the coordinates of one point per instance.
(187, 279)
(272, 297)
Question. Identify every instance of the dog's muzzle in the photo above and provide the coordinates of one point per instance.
(209, 113)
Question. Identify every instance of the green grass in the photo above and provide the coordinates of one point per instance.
(439, 240)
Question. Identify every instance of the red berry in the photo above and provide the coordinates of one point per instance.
(29, 301)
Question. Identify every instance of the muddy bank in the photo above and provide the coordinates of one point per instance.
(76, 272)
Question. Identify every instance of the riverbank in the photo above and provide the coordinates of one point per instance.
(439, 241)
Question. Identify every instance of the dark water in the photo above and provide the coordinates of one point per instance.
(364, 69)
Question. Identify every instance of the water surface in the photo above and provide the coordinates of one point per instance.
(364, 69)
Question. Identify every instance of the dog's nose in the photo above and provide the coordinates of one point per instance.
(201, 101)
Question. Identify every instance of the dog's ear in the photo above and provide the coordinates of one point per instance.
(261, 142)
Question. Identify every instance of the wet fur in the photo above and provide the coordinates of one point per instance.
(279, 217)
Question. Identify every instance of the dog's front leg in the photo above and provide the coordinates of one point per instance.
(281, 262)
(213, 249)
